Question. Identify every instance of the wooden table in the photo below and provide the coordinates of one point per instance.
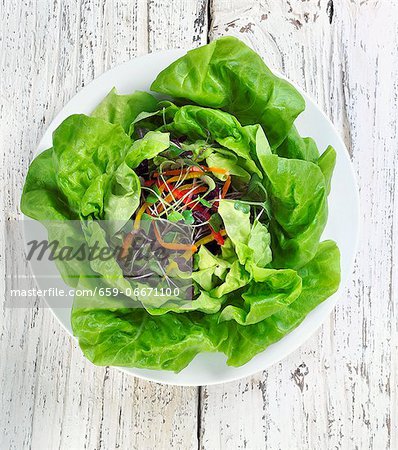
(338, 390)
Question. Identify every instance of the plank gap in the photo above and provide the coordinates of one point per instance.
(209, 19)
(199, 418)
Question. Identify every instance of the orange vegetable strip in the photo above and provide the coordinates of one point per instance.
(226, 186)
(215, 170)
(195, 189)
(128, 240)
(172, 245)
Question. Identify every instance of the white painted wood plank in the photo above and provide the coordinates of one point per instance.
(340, 389)
(50, 396)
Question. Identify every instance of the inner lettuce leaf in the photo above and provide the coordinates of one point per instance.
(153, 143)
(230, 162)
(197, 122)
(228, 75)
(278, 289)
(251, 241)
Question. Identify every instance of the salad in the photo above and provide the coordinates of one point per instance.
(210, 203)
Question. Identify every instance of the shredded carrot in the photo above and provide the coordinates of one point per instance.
(215, 170)
(172, 245)
(128, 240)
(226, 186)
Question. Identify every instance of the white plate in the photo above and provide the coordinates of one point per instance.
(342, 227)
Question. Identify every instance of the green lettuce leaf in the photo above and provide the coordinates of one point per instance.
(251, 241)
(153, 143)
(236, 278)
(297, 147)
(320, 279)
(214, 125)
(41, 199)
(228, 75)
(86, 152)
(106, 268)
(230, 162)
(134, 338)
(122, 197)
(205, 303)
(326, 163)
(278, 289)
(298, 201)
(124, 109)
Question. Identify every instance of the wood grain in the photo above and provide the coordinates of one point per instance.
(340, 389)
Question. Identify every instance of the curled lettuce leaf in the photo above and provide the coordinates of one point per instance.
(297, 147)
(251, 241)
(124, 109)
(86, 152)
(229, 162)
(298, 196)
(41, 199)
(277, 290)
(197, 123)
(153, 143)
(326, 163)
(320, 279)
(228, 75)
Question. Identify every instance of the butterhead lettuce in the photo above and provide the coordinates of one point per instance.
(213, 190)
